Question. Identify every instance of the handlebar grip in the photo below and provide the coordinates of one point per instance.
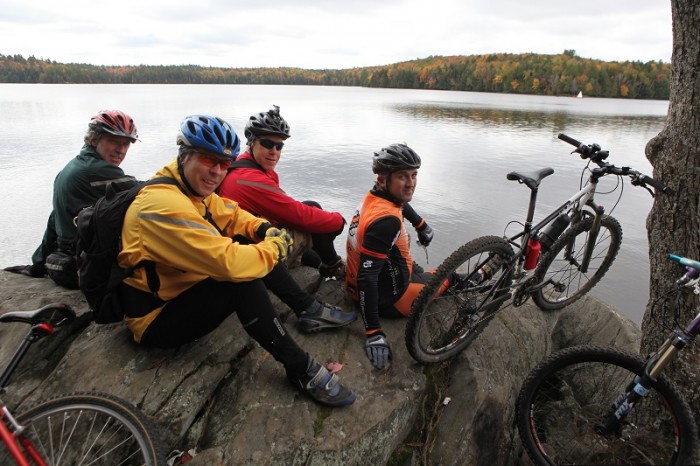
(570, 140)
(685, 261)
(656, 184)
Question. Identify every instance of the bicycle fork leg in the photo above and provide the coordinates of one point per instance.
(9, 440)
(641, 386)
(32, 451)
(623, 406)
(592, 238)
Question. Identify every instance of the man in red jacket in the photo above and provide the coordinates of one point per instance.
(254, 184)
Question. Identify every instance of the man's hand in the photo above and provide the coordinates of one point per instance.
(281, 239)
(378, 351)
(425, 234)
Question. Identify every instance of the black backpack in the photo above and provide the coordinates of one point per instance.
(97, 245)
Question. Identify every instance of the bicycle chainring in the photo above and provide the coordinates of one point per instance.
(522, 294)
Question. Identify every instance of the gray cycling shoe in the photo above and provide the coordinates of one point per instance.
(323, 386)
(321, 316)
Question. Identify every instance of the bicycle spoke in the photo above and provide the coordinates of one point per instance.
(560, 268)
(441, 325)
(90, 429)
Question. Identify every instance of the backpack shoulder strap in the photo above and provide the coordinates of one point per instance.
(244, 163)
(150, 266)
(161, 180)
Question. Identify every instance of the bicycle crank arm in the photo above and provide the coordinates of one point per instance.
(558, 286)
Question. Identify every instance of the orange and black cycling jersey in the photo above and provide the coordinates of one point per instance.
(379, 263)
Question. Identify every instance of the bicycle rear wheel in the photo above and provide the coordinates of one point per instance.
(91, 428)
(442, 325)
(569, 393)
(560, 266)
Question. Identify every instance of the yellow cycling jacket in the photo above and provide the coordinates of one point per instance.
(168, 227)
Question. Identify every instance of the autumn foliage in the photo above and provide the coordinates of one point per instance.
(561, 74)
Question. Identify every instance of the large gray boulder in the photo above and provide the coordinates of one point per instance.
(226, 397)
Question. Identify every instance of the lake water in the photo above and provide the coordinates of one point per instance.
(468, 143)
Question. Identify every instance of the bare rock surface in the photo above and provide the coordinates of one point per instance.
(229, 399)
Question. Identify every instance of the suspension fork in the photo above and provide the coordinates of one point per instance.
(592, 236)
(642, 384)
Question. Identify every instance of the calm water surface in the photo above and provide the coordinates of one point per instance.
(468, 143)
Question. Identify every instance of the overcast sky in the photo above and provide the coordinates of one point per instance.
(330, 34)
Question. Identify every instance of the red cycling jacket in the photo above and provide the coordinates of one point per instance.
(258, 191)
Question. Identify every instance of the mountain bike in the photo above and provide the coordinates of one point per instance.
(597, 405)
(72, 429)
(555, 261)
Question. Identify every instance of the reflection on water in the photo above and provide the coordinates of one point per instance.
(468, 143)
(517, 119)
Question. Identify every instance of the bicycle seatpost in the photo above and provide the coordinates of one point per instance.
(36, 333)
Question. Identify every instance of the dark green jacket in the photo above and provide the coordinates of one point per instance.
(81, 182)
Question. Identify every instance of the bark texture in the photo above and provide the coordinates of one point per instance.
(674, 221)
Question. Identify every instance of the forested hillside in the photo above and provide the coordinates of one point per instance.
(561, 74)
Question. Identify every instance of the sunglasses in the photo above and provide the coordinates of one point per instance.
(267, 144)
(209, 161)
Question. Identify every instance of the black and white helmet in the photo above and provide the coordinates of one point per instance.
(395, 157)
(270, 122)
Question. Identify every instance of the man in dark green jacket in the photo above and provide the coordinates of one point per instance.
(82, 182)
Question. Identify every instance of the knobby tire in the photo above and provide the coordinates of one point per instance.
(441, 326)
(570, 392)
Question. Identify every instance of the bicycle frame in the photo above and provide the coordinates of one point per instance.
(574, 205)
(16, 442)
(44, 321)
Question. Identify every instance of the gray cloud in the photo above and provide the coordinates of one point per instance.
(329, 34)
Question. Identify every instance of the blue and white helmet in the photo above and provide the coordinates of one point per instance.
(209, 133)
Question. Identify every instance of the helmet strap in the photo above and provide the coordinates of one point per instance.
(181, 171)
(383, 189)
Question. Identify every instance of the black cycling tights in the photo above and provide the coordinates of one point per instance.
(323, 248)
(202, 308)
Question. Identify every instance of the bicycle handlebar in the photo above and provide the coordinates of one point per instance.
(685, 261)
(597, 155)
(579, 145)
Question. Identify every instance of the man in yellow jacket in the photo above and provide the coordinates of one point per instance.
(186, 231)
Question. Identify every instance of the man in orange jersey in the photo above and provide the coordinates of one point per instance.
(381, 275)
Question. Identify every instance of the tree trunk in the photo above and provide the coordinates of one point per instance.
(674, 221)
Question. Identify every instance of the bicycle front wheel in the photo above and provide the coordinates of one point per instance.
(443, 324)
(569, 393)
(560, 267)
(91, 429)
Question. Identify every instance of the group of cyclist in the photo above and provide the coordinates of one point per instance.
(221, 237)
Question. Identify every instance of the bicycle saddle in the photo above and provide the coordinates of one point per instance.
(531, 180)
(55, 314)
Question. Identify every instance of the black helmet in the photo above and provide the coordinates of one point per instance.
(270, 122)
(395, 157)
